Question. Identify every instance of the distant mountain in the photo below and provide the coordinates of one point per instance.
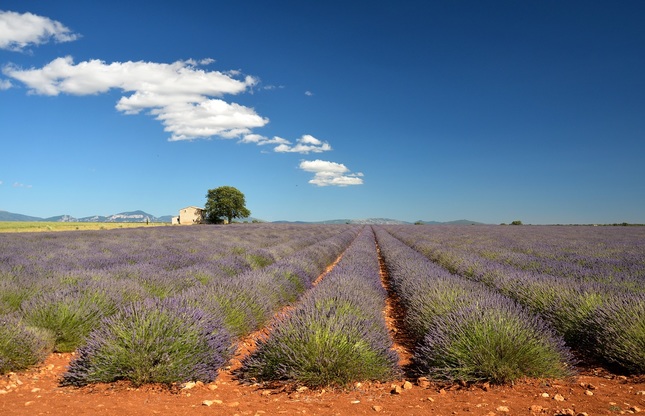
(10, 216)
(346, 221)
(132, 216)
(141, 216)
(61, 218)
(289, 222)
(381, 221)
(366, 221)
(456, 222)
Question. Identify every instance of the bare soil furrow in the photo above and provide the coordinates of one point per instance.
(394, 317)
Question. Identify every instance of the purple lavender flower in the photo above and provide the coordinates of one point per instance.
(153, 342)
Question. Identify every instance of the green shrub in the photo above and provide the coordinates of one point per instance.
(153, 342)
(69, 315)
(618, 332)
(318, 348)
(495, 343)
(21, 346)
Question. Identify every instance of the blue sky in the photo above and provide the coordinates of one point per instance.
(435, 110)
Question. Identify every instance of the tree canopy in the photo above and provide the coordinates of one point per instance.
(225, 202)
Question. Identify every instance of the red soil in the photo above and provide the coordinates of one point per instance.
(595, 392)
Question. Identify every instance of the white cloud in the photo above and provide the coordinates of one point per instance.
(330, 173)
(207, 61)
(306, 144)
(5, 84)
(262, 140)
(214, 117)
(309, 139)
(20, 185)
(178, 94)
(17, 31)
(92, 77)
(272, 87)
(309, 93)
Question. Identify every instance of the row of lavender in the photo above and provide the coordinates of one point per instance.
(599, 315)
(464, 331)
(189, 336)
(337, 334)
(609, 255)
(177, 253)
(65, 282)
(55, 308)
(161, 261)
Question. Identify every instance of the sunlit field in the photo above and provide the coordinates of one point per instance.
(39, 226)
(170, 304)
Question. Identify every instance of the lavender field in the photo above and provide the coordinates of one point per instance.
(588, 283)
(169, 304)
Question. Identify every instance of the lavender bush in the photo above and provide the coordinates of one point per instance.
(12, 294)
(152, 342)
(69, 314)
(21, 346)
(321, 347)
(242, 309)
(492, 340)
(337, 335)
(618, 333)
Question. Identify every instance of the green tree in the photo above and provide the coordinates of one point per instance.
(516, 222)
(225, 202)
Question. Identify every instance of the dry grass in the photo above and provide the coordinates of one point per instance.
(39, 226)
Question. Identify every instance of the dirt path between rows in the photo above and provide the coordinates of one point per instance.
(592, 392)
(394, 316)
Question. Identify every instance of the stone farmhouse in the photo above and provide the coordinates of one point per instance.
(189, 215)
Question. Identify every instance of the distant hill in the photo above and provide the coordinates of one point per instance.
(131, 216)
(10, 216)
(456, 222)
(381, 221)
(61, 218)
(364, 221)
(141, 216)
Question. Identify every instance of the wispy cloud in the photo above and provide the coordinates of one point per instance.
(262, 140)
(17, 31)
(178, 94)
(330, 173)
(309, 93)
(306, 144)
(20, 185)
(5, 84)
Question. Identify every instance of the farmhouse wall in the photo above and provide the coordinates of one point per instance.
(191, 215)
